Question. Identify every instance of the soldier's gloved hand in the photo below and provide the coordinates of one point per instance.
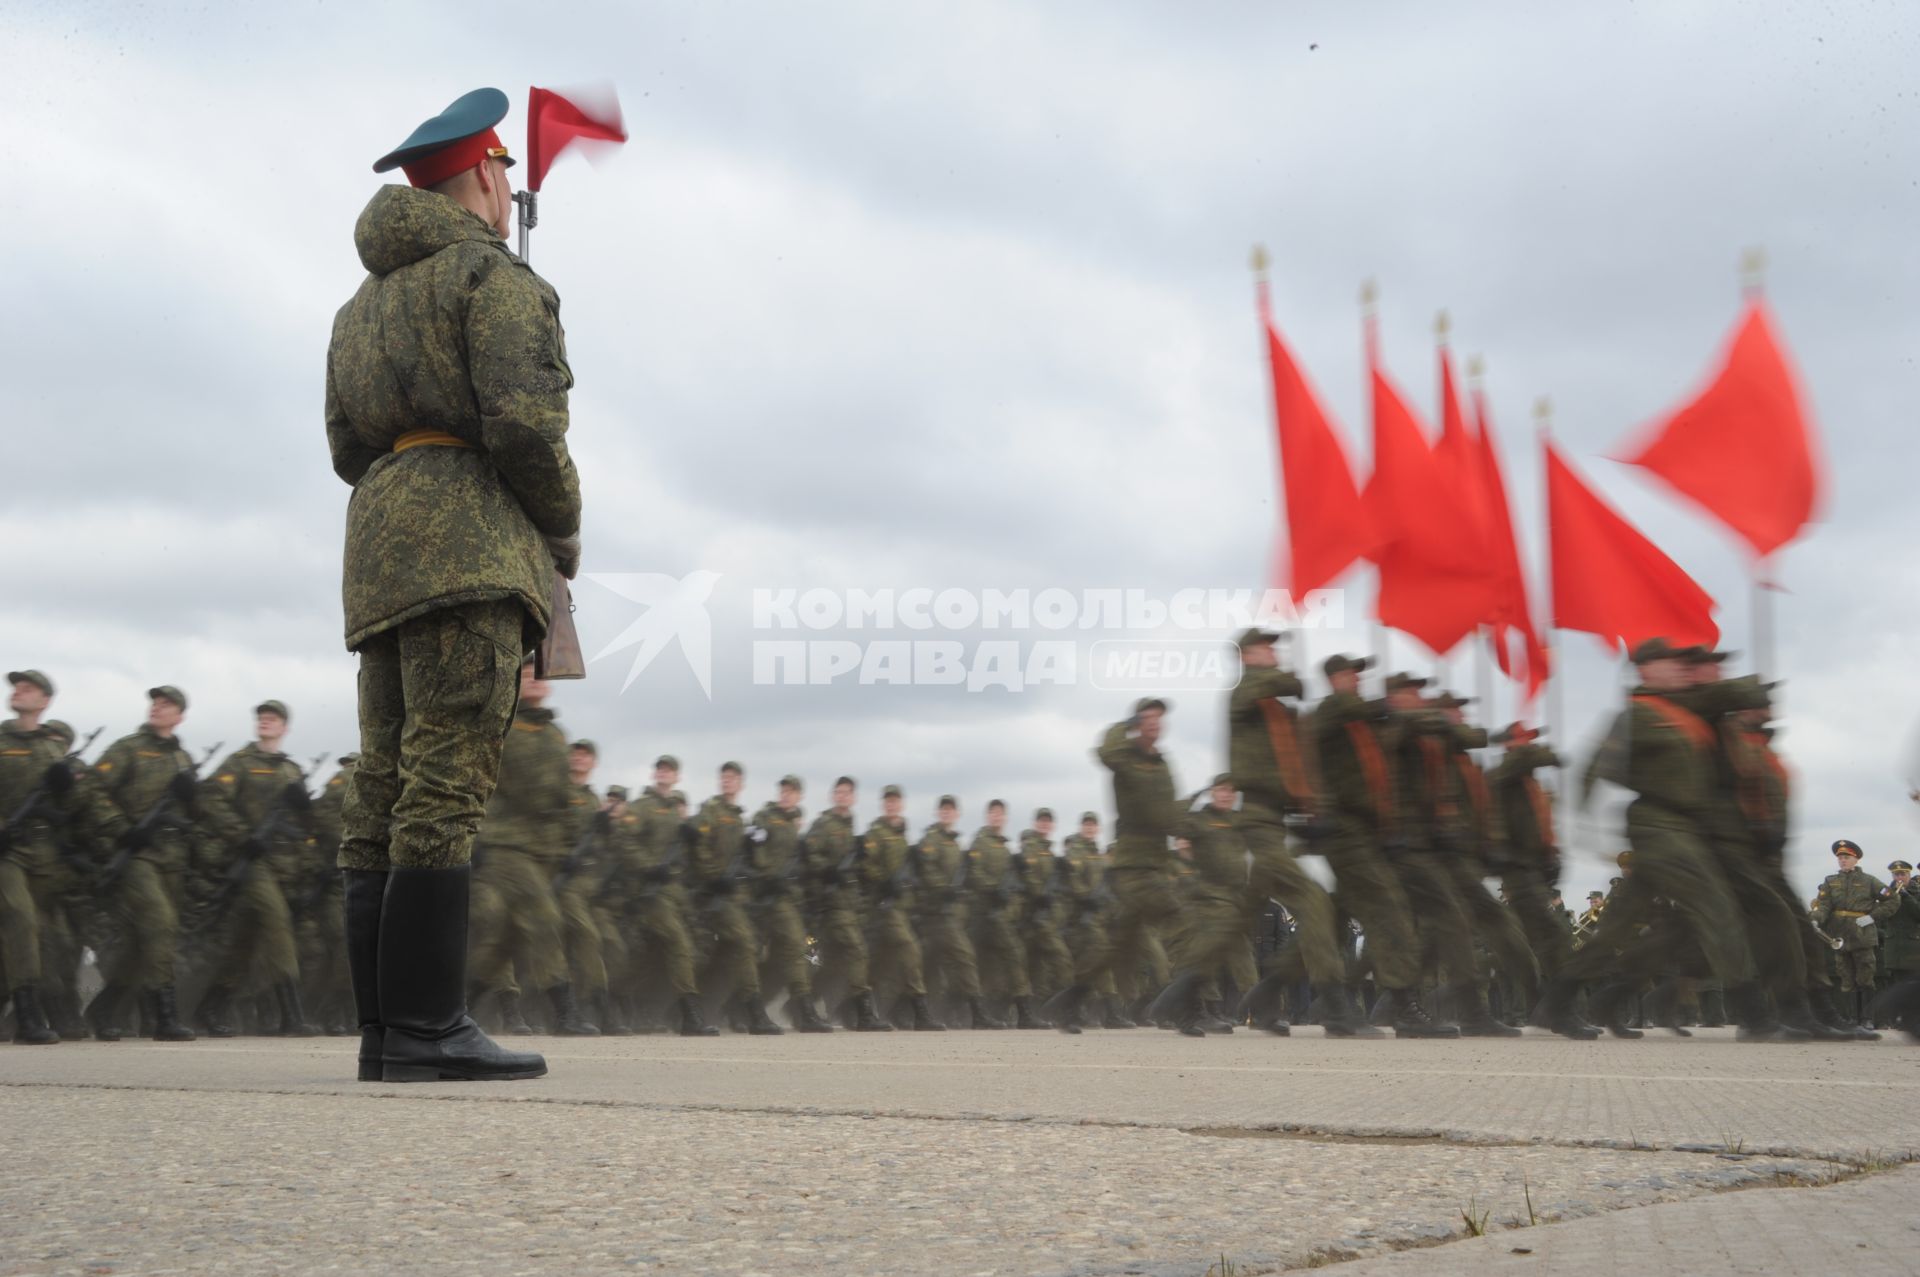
(58, 778)
(756, 835)
(602, 821)
(566, 555)
(297, 799)
(183, 788)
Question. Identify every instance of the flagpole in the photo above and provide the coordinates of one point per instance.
(1753, 279)
(1556, 678)
(529, 202)
(1488, 635)
(1370, 346)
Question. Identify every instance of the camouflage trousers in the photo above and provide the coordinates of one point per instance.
(1002, 956)
(1049, 959)
(662, 941)
(1814, 951)
(785, 966)
(1856, 969)
(729, 946)
(1495, 926)
(1210, 936)
(24, 900)
(320, 938)
(1532, 902)
(1145, 905)
(1672, 862)
(843, 945)
(586, 962)
(892, 946)
(259, 951)
(515, 921)
(1368, 889)
(437, 694)
(146, 915)
(1277, 875)
(946, 951)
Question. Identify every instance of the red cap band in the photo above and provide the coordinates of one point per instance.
(455, 157)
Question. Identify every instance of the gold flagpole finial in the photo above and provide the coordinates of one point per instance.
(1369, 294)
(1753, 269)
(1476, 367)
(1442, 325)
(1543, 412)
(1260, 260)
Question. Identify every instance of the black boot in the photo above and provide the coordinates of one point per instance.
(507, 1004)
(1213, 1017)
(1475, 1020)
(167, 1026)
(1887, 1006)
(612, 1022)
(1024, 1018)
(805, 1016)
(692, 1023)
(293, 1018)
(978, 1017)
(567, 1020)
(1179, 1003)
(1063, 1008)
(1608, 1005)
(1410, 1018)
(216, 1012)
(1113, 1015)
(759, 1023)
(1385, 1010)
(362, 894)
(30, 1026)
(1796, 1011)
(423, 984)
(923, 1021)
(1663, 1009)
(1339, 1017)
(1556, 1011)
(865, 1018)
(149, 1013)
(63, 1012)
(1898, 1005)
(103, 1013)
(1748, 1002)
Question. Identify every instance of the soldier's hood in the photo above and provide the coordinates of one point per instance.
(402, 225)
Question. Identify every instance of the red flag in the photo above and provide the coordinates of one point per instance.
(1610, 580)
(1513, 613)
(555, 122)
(1327, 527)
(1434, 578)
(1744, 449)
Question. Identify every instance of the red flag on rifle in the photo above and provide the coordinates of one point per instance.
(1513, 613)
(1327, 526)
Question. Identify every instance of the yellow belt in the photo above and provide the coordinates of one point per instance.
(1849, 913)
(432, 438)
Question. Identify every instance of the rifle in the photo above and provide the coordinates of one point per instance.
(55, 782)
(259, 842)
(180, 791)
(601, 823)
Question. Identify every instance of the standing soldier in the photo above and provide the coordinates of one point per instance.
(1048, 890)
(717, 860)
(579, 879)
(37, 788)
(1141, 874)
(257, 805)
(1847, 908)
(1900, 933)
(1355, 814)
(660, 908)
(516, 919)
(1263, 750)
(446, 409)
(776, 906)
(149, 779)
(882, 866)
(828, 854)
(942, 874)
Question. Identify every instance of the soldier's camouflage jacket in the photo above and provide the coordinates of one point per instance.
(528, 810)
(1849, 905)
(449, 333)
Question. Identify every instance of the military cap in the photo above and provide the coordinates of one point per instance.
(345, 759)
(167, 692)
(451, 142)
(667, 760)
(1341, 663)
(35, 677)
(1085, 816)
(1596, 895)
(947, 800)
(587, 745)
(1405, 682)
(1224, 778)
(735, 768)
(617, 791)
(1255, 636)
(1846, 847)
(1657, 649)
(59, 728)
(891, 791)
(848, 781)
(995, 802)
(1451, 700)
(791, 781)
(275, 707)
(1515, 734)
(1701, 654)
(1045, 813)
(1146, 703)
(1899, 867)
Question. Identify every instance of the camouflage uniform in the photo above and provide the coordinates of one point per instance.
(1849, 907)
(650, 841)
(29, 857)
(319, 923)
(516, 920)
(146, 896)
(940, 913)
(717, 837)
(832, 903)
(891, 943)
(264, 832)
(1090, 904)
(1525, 851)
(1140, 872)
(776, 904)
(586, 870)
(1045, 913)
(996, 884)
(446, 409)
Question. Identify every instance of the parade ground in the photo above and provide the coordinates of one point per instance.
(969, 1153)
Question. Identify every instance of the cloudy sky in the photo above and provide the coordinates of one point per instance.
(900, 295)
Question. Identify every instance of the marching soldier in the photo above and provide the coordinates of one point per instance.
(828, 853)
(882, 868)
(778, 880)
(1049, 895)
(716, 858)
(149, 779)
(258, 807)
(999, 894)
(37, 789)
(660, 909)
(579, 880)
(1849, 905)
(318, 920)
(1527, 855)
(940, 873)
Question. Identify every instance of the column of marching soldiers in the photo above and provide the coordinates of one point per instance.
(622, 912)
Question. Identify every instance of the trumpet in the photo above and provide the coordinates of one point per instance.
(1832, 942)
